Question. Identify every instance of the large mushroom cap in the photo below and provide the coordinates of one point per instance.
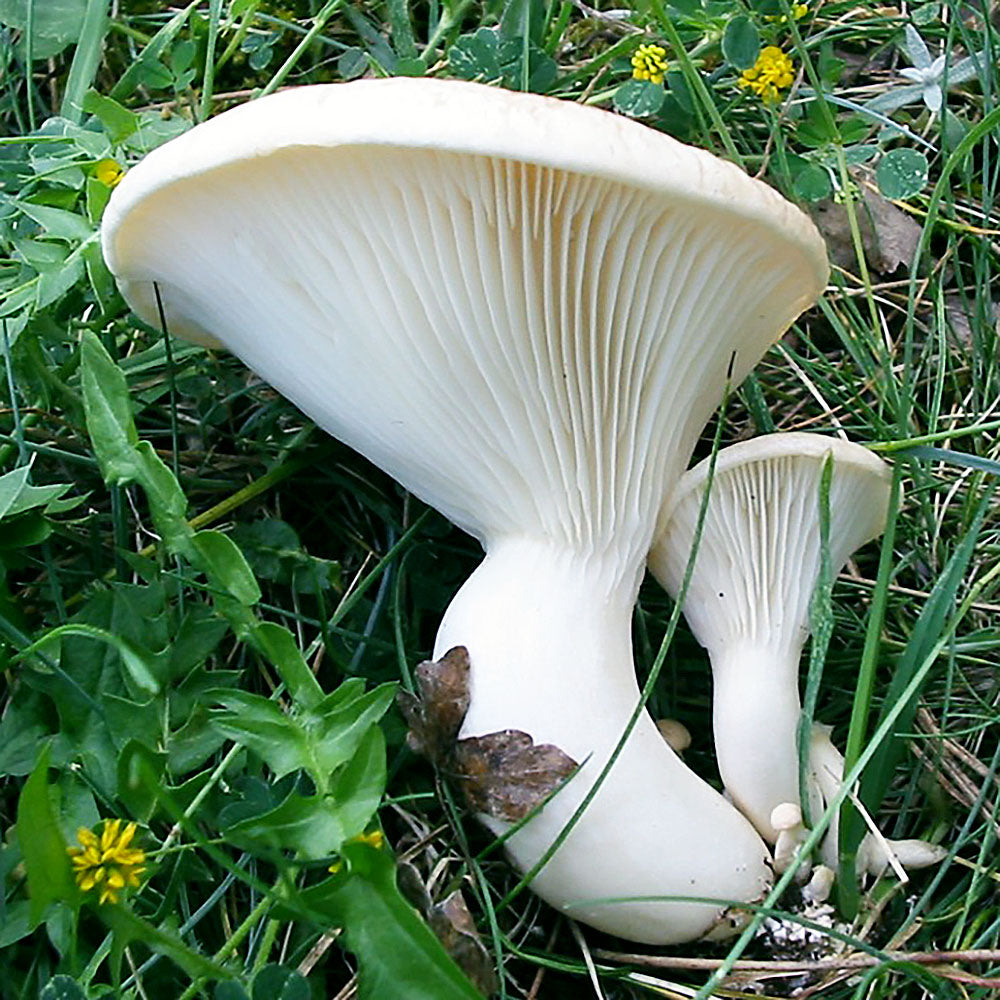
(511, 303)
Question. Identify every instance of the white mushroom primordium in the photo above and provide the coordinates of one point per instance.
(524, 310)
(757, 566)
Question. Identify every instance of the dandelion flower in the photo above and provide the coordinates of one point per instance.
(107, 863)
(649, 62)
(109, 172)
(770, 74)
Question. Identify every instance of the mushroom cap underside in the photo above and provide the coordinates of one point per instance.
(452, 277)
(759, 553)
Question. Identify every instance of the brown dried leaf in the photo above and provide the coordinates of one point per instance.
(456, 930)
(889, 236)
(435, 715)
(505, 775)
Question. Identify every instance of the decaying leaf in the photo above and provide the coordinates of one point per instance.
(888, 235)
(435, 714)
(505, 775)
(452, 922)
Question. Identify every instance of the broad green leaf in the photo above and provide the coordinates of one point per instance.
(812, 183)
(276, 643)
(352, 63)
(223, 563)
(261, 726)
(476, 56)
(639, 98)
(230, 990)
(140, 770)
(50, 876)
(109, 415)
(542, 69)
(902, 173)
(275, 982)
(62, 988)
(316, 826)
(741, 42)
(136, 661)
(55, 24)
(118, 122)
(343, 722)
(399, 957)
(57, 222)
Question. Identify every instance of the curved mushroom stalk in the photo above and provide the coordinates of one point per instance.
(525, 311)
(549, 639)
(755, 572)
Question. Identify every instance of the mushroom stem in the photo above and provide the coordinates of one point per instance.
(548, 632)
(755, 713)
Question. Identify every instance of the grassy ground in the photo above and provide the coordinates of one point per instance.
(123, 621)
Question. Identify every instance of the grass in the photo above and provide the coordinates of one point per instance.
(158, 618)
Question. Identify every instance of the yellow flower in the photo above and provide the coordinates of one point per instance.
(109, 172)
(770, 74)
(649, 63)
(107, 863)
(376, 839)
(799, 11)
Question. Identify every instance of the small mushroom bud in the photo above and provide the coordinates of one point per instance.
(786, 818)
(675, 733)
(820, 884)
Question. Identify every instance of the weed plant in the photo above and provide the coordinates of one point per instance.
(206, 604)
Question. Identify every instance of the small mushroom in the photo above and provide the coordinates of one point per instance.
(757, 566)
(525, 310)
(675, 733)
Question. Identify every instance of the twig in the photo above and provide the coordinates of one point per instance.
(806, 965)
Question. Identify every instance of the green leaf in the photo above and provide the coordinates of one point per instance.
(118, 122)
(223, 563)
(136, 661)
(127, 927)
(902, 173)
(275, 982)
(55, 24)
(109, 415)
(57, 222)
(261, 726)
(140, 770)
(741, 42)
(343, 719)
(812, 183)
(638, 98)
(50, 876)
(62, 988)
(523, 19)
(476, 56)
(230, 990)
(316, 826)
(352, 63)
(277, 644)
(399, 957)
(542, 69)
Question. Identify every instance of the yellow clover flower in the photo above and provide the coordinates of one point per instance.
(107, 862)
(109, 172)
(799, 11)
(770, 74)
(649, 62)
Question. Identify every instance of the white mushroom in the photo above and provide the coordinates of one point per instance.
(757, 566)
(524, 310)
